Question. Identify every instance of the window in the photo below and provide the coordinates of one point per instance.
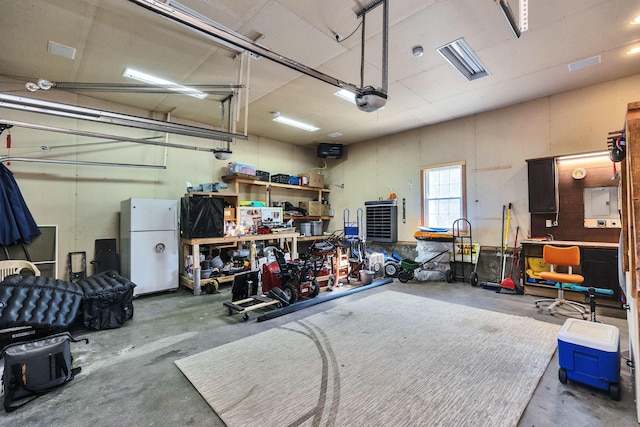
(443, 194)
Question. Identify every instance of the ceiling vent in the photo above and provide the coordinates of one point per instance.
(61, 50)
(584, 63)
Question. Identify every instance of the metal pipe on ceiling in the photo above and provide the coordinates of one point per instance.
(385, 41)
(4, 159)
(238, 41)
(83, 113)
(102, 135)
(144, 88)
(89, 144)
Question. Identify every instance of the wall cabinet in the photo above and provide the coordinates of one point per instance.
(542, 185)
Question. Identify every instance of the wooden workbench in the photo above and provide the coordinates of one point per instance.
(192, 247)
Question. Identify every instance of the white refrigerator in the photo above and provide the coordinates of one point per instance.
(149, 244)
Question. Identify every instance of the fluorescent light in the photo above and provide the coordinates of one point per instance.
(157, 81)
(287, 121)
(584, 155)
(633, 51)
(459, 54)
(346, 95)
(636, 20)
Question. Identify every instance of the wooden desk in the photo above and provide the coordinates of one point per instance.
(192, 247)
(598, 265)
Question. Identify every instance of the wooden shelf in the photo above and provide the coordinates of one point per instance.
(306, 218)
(237, 181)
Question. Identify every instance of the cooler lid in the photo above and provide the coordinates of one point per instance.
(590, 334)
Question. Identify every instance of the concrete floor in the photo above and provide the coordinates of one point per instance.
(128, 376)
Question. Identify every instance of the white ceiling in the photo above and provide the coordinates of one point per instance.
(110, 35)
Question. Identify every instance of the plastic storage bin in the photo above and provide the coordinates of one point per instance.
(243, 168)
(589, 353)
(280, 178)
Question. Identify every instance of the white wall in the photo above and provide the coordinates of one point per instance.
(84, 201)
(494, 145)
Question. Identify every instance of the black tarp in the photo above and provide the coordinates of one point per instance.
(16, 223)
(201, 217)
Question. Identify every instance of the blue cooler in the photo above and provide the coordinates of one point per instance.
(589, 353)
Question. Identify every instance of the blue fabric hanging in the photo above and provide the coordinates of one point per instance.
(16, 222)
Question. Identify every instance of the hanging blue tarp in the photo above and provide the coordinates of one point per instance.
(16, 222)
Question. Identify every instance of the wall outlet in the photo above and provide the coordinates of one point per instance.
(549, 223)
(590, 223)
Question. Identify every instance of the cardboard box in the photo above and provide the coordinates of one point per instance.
(313, 208)
(326, 210)
(229, 214)
(315, 180)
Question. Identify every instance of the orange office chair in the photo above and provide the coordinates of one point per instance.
(568, 257)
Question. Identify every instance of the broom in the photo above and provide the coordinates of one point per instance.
(507, 282)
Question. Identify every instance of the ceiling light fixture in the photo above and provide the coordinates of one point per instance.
(291, 122)
(459, 54)
(346, 95)
(633, 51)
(583, 155)
(157, 81)
(635, 20)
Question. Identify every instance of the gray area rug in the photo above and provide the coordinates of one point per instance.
(390, 359)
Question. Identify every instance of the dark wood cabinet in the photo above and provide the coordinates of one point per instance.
(598, 266)
(542, 185)
(600, 270)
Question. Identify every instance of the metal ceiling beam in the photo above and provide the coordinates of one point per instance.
(508, 14)
(103, 136)
(83, 113)
(238, 41)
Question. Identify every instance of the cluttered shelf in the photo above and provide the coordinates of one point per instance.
(247, 180)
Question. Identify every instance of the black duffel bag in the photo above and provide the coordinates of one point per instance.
(36, 367)
(108, 300)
